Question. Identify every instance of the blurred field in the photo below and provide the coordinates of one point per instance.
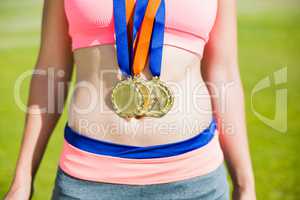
(269, 39)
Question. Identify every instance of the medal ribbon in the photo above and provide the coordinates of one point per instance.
(151, 32)
(147, 28)
(123, 12)
(157, 41)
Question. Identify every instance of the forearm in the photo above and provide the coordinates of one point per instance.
(39, 124)
(228, 107)
(233, 135)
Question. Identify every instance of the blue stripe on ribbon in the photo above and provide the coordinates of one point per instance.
(136, 152)
(121, 36)
(157, 41)
(139, 13)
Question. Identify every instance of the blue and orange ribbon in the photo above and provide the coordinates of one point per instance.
(146, 26)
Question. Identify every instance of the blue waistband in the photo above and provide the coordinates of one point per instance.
(138, 152)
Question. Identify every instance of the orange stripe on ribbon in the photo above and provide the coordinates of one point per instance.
(142, 43)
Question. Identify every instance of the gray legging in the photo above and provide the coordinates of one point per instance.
(212, 186)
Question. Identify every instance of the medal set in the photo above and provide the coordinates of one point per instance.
(134, 96)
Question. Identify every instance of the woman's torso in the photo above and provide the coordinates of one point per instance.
(90, 110)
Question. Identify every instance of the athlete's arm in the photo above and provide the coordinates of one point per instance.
(54, 54)
(220, 71)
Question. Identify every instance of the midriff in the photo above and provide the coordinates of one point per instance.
(90, 110)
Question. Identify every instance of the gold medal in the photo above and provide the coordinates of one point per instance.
(127, 98)
(146, 95)
(162, 98)
(135, 97)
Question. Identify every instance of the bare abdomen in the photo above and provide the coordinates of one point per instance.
(90, 110)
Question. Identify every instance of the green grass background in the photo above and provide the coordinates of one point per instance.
(269, 39)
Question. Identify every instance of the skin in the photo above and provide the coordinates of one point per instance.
(99, 66)
(219, 66)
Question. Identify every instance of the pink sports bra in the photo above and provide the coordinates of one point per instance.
(188, 23)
